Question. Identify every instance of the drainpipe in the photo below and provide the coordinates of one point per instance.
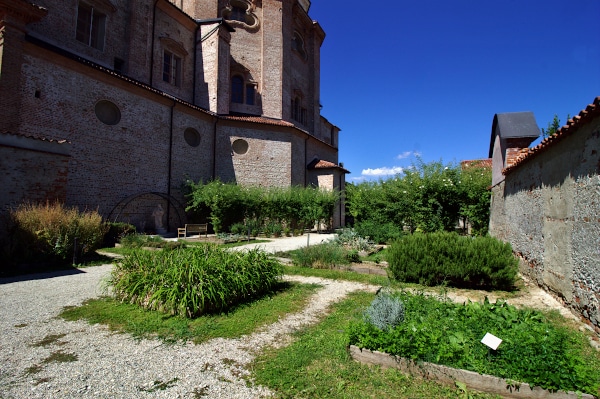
(214, 158)
(170, 167)
(152, 44)
(195, 64)
(305, 161)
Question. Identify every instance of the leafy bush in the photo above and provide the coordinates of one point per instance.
(350, 239)
(533, 350)
(140, 240)
(379, 232)
(116, 231)
(194, 281)
(458, 261)
(320, 256)
(47, 232)
(238, 229)
(385, 312)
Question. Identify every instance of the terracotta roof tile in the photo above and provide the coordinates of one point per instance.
(478, 163)
(573, 124)
(257, 119)
(321, 164)
(36, 137)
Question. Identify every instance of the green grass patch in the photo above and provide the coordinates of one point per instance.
(244, 319)
(534, 350)
(317, 365)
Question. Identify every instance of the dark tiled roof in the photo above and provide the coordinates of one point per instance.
(514, 125)
(573, 124)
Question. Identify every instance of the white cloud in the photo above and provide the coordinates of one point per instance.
(408, 154)
(385, 171)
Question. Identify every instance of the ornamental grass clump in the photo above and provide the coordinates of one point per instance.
(194, 281)
(457, 261)
(47, 232)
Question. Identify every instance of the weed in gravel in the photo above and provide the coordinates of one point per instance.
(48, 340)
(36, 368)
(60, 357)
(159, 385)
(20, 325)
(42, 380)
(200, 392)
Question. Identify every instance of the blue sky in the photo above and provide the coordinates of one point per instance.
(426, 77)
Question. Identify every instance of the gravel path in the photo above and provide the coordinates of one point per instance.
(108, 365)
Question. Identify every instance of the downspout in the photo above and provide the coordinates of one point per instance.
(195, 63)
(152, 44)
(306, 161)
(170, 167)
(214, 158)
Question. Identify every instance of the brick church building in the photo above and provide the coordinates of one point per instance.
(113, 104)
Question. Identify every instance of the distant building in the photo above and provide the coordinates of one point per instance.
(114, 104)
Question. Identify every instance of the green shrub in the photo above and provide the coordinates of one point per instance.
(116, 231)
(194, 281)
(458, 261)
(47, 232)
(320, 256)
(350, 239)
(385, 312)
(238, 229)
(140, 240)
(533, 350)
(379, 233)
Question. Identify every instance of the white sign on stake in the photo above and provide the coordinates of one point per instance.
(491, 341)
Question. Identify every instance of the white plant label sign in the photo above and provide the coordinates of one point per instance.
(491, 340)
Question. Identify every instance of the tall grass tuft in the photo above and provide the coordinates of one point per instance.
(321, 256)
(194, 281)
(47, 232)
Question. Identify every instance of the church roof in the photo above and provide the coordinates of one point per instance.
(513, 125)
(573, 124)
(321, 164)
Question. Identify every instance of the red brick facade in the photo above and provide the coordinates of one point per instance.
(149, 103)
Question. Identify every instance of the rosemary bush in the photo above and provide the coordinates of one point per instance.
(458, 261)
(194, 281)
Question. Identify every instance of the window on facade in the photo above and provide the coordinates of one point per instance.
(242, 92)
(237, 90)
(298, 45)
(299, 113)
(90, 26)
(172, 68)
(238, 14)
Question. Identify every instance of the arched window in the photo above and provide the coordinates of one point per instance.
(298, 45)
(237, 89)
(237, 14)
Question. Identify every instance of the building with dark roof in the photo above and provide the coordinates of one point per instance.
(152, 93)
(546, 204)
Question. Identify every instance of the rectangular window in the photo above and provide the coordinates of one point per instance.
(250, 94)
(172, 68)
(90, 26)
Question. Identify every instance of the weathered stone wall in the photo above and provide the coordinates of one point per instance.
(548, 208)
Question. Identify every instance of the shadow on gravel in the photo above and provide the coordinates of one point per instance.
(40, 276)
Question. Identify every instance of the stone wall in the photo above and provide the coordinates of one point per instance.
(548, 208)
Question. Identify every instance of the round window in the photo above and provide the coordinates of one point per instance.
(240, 146)
(192, 137)
(107, 112)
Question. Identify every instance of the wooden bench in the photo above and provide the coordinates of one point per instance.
(192, 228)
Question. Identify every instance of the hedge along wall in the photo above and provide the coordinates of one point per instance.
(548, 208)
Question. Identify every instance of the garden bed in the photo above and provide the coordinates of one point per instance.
(472, 380)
